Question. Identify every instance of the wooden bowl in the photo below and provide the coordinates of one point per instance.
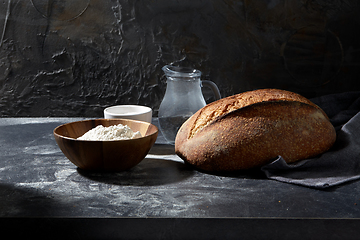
(115, 155)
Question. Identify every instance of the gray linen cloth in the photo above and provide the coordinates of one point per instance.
(338, 165)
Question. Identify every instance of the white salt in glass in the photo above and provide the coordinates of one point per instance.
(134, 112)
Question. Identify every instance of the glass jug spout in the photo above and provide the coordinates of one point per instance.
(181, 73)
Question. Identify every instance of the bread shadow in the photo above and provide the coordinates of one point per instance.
(253, 173)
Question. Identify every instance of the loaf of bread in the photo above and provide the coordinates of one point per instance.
(251, 129)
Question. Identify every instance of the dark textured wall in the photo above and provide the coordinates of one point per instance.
(75, 57)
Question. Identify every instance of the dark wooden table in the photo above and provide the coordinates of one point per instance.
(42, 194)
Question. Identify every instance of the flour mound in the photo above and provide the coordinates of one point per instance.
(111, 133)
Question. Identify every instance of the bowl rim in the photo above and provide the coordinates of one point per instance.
(99, 119)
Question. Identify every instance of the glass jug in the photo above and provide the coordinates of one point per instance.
(183, 97)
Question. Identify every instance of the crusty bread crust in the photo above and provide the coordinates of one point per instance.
(250, 129)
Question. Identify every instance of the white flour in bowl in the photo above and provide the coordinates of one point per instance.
(115, 132)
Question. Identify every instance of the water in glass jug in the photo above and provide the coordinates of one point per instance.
(183, 97)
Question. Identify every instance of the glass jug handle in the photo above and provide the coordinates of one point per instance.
(213, 87)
